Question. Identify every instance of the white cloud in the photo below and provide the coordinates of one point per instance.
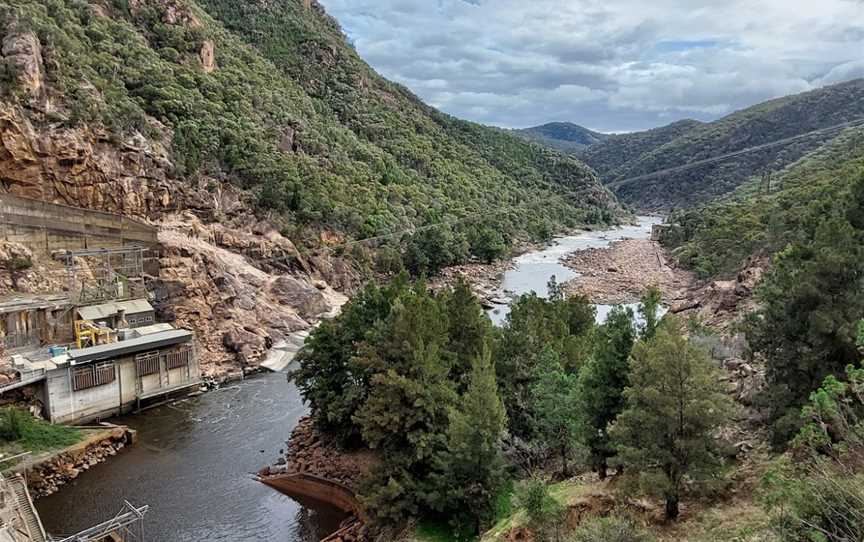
(610, 65)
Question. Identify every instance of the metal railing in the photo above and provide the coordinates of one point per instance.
(128, 525)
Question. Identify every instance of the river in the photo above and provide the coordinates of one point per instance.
(534, 269)
(194, 459)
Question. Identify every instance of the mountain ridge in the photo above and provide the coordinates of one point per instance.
(562, 136)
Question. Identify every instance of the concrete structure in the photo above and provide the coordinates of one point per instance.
(111, 379)
(46, 227)
(28, 320)
(135, 313)
(659, 231)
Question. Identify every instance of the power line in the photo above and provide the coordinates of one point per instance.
(838, 127)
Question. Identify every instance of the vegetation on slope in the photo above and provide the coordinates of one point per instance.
(427, 381)
(621, 149)
(562, 136)
(764, 123)
(812, 298)
(21, 432)
(715, 239)
(290, 112)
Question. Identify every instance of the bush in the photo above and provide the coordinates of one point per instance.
(817, 495)
(11, 425)
(543, 511)
(611, 529)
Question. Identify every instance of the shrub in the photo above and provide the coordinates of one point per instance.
(611, 529)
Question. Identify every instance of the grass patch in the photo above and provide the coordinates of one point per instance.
(21, 432)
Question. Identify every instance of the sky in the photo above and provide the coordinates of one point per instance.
(609, 65)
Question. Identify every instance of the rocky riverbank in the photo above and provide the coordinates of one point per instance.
(315, 467)
(622, 272)
(46, 474)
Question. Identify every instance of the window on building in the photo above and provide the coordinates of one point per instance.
(147, 364)
(178, 358)
(91, 376)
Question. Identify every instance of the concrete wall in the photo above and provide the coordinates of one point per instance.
(120, 396)
(66, 406)
(46, 227)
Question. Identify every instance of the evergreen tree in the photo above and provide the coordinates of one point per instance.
(674, 405)
(649, 310)
(601, 385)
(469, 330)
(533, 325)
(410, 393)
(329, 378)
(470, 471)
(811, 302)
(555, 407)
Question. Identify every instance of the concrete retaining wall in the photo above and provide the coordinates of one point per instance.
(308, 486)
(45, 227)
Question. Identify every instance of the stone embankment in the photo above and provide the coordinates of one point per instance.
(314, 467)
(45, 474)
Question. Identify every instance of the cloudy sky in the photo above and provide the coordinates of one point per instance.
(610, 65)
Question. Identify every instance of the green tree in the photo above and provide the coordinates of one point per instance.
(601, 385)
(544, 512)
(328, 376)
(535, 324)
(410, 393)
(674, 405)
(649, 310)
(469, 472)
(811, 302)
(555, 407)
(469, 330)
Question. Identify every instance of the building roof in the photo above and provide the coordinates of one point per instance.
(131, 346)
(108, 310)
(25, 302)
(155, 328)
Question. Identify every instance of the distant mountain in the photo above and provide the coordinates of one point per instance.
(620, 158)
(562, 136)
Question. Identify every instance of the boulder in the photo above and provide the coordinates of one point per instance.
(24, 53)
(305, 298)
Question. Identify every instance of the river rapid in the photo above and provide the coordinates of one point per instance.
(194, 460)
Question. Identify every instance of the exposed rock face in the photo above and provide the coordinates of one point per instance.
(207, 54)
(719, 303)
(233, 279)
(24, 53)
(82, 167)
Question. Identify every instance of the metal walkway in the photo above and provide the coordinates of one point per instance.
(19, 520)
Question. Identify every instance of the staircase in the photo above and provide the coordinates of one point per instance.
(30, 525)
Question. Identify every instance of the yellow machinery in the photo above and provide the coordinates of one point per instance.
(89, 334)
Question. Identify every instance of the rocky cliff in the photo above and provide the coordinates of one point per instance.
(254, 137)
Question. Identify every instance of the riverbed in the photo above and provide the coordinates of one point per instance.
(194, 460)
(533, 270)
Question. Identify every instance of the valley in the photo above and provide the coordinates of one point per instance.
(310, 302)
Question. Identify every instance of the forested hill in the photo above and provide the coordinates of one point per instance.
(562, 136)
(633, 155)
(270, 97)
(715, 239)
